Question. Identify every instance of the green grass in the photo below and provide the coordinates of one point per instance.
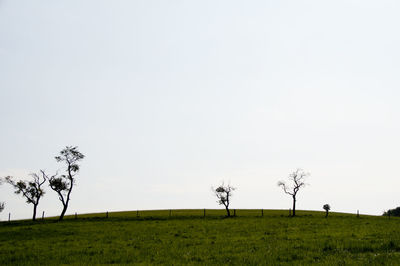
(186, 237)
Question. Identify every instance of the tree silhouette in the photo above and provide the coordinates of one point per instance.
(392, 212)
(1, 203)
(223, 194)
(327, 209)
(31, 190)
(63, 184)
(297, 179)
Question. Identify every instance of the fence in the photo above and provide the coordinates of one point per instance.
(171, 213)
(192, 213)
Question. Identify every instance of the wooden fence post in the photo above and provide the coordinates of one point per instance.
(204, 213)
(9, 216)
(43, 215)
(262, 212)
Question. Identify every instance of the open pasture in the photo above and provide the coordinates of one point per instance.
(186, 237)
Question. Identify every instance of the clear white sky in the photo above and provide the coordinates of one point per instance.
(168, 98)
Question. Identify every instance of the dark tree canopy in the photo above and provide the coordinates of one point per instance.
(31, 190)
(393, 212)
(223, 194)
(327, 208)
(63, 184)
(297, 180)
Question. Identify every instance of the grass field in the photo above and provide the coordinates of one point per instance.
(186, 237)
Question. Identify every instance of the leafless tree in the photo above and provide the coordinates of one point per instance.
(63, 184)
(223, 194)
(31, 190)
(327, 208)
(297, 179)
(1, 203)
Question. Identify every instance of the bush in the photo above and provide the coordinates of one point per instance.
(392, 212)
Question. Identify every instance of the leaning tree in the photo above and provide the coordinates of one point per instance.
(296, 179)
(31, 190)
(63, 184)
(223, 193)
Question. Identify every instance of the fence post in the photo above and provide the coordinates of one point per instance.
(76, 216)
(358, 214)
(107, 214)
(262, 212)
(43, 215)
(204, 213)
(9, 216)
(170, 212)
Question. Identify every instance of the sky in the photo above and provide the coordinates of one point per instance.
(167, 99)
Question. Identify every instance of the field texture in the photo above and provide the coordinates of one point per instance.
(186, 237)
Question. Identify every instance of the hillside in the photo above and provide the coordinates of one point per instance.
(186, 237)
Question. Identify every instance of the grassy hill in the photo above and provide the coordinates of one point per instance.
(186, 237)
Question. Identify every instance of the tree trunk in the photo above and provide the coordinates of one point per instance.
(294, 206)
(34, 212)
(68, 195)
(228, 212)
(63, 212)
(326, 215)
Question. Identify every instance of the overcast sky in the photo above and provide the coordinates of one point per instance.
(169, 98)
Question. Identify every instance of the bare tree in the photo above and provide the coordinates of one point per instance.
(297, 179)
(63, 184)
(1, 203)
(223, 194)
(327, 208)
(31, 190)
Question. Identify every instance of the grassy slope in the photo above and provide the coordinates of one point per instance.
(187, 238)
